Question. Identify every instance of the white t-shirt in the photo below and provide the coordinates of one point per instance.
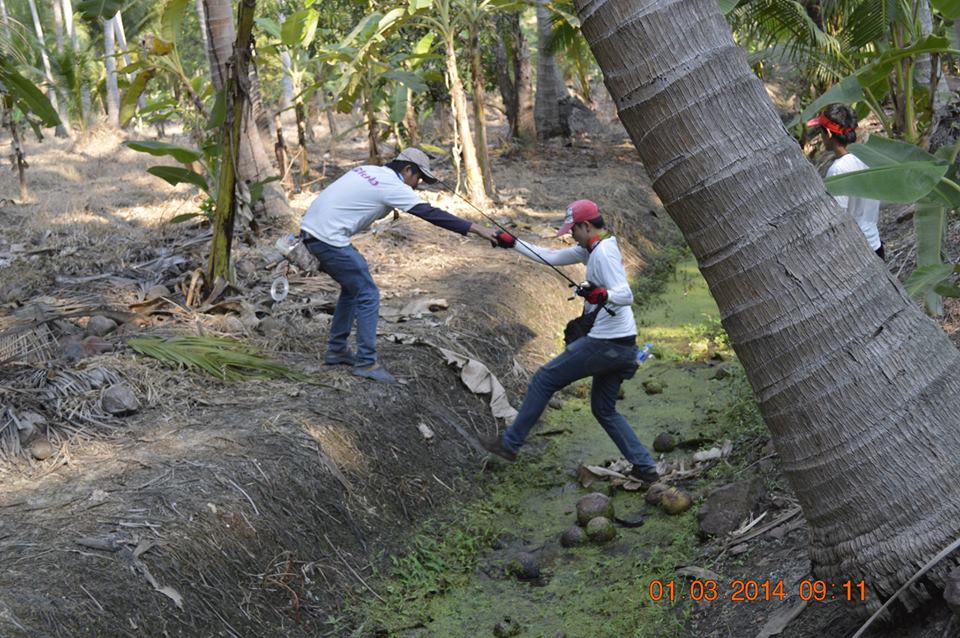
(866, 212)
(604, 268)
(353, 202)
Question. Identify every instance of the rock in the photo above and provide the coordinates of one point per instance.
(101, 326)
(156, 292)
(507, 628)
(722, 372)
(951, 593)
(89, 347)
(523, 566)
(271, 326)
(631, 520)
(675, 501)
(652, 386)
(41, 449)
(556, 404)
(740, 548)
(654, 492)
(573, 537)
(601, 530)
(726, 507)
(233, 325)
(119, 400)
(593, 505)
(665, 442)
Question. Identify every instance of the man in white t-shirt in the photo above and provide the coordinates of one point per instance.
(838, 129)
(608, 352)
(346, 207)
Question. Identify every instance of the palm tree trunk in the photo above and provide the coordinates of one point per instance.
(19, 155)
(121, 35)
(479, 110)
(113, 90)
(458, 101)
(6, 21)
(63, 128)
(67, 6)
(235, 76)
(254, 164)
(550, 86)
(859, 389)
(58, 24)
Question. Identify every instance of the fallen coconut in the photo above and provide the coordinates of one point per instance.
(41, 449)
(665, 442)
(573, 537)
(674, 501)
(592, 506)
(601, 530)
(523, 566)
(652, 386)
(654, 492)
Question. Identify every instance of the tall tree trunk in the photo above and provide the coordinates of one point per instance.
(121, 35)
(62, 129)
(110, 62)
(479, 111)
(6, 21)
(236, 75)
(550, 86)
(58, 25)
(85, 110)
(458, 101)
(202, 21)
(254, 164)
(19, 155)
(287, 96)
(858, 387)
(514, 76)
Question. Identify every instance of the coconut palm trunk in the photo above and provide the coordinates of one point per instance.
(550, 86)
(110, 62)
(254, 164)
(859, 389)
(458, 101)
(121, 36)
(514, 76)
(70, 27)
(63, 128)
(479, 109)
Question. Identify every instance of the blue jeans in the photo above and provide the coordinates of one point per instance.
(609, 364)
(359, 298)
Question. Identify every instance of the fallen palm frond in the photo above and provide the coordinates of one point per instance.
(226, 359)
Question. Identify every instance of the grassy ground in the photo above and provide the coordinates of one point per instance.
(453, 581)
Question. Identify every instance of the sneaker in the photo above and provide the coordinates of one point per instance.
(376, 372)
(343, 357)
(494, 446)
(648, 476)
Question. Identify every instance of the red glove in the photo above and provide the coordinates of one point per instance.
(505, 239)
(593, 293)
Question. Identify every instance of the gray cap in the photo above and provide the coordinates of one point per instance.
(418, 157)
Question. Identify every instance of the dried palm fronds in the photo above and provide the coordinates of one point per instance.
(225, 359)
(32, 343)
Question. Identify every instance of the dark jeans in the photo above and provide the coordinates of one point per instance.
(609, 364)
(359, 299)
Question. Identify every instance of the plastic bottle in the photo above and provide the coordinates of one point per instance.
(287, 243)
(280, 288)
(644, 353)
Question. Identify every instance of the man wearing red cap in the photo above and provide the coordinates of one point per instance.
(608, 352)
(838, 129)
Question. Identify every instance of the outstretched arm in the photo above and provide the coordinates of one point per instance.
(559, 257)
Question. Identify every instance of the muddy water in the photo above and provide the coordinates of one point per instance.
(594, 590)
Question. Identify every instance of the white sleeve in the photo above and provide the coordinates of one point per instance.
(401, 196)
(560, 257)
(843, 201)
(613, 276)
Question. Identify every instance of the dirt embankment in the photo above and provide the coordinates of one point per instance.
(249, 508)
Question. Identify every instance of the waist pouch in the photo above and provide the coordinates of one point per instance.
(580, 326)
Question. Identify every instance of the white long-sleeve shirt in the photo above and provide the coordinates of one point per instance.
(866, 212)
(604, 268)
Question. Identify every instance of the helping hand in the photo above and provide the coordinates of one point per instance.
(592, 292)
(504, 239)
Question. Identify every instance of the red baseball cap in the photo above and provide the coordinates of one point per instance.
(825, 122)
(582, 210)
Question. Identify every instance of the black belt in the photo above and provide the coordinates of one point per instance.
(307, 237)
(624, 341)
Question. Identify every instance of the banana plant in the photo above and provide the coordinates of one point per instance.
(370, 73)
(902, 173)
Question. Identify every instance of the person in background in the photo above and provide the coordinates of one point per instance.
(346, 207)
(607, 352)
(838, 129)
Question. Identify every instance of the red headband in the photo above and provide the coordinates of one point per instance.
(827, 123)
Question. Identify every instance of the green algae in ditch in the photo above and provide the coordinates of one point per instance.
(595, 591)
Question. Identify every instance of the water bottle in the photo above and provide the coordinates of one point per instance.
(287, 243)
(280, 288)
(644, 353)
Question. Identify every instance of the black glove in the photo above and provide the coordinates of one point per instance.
(505, 239)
